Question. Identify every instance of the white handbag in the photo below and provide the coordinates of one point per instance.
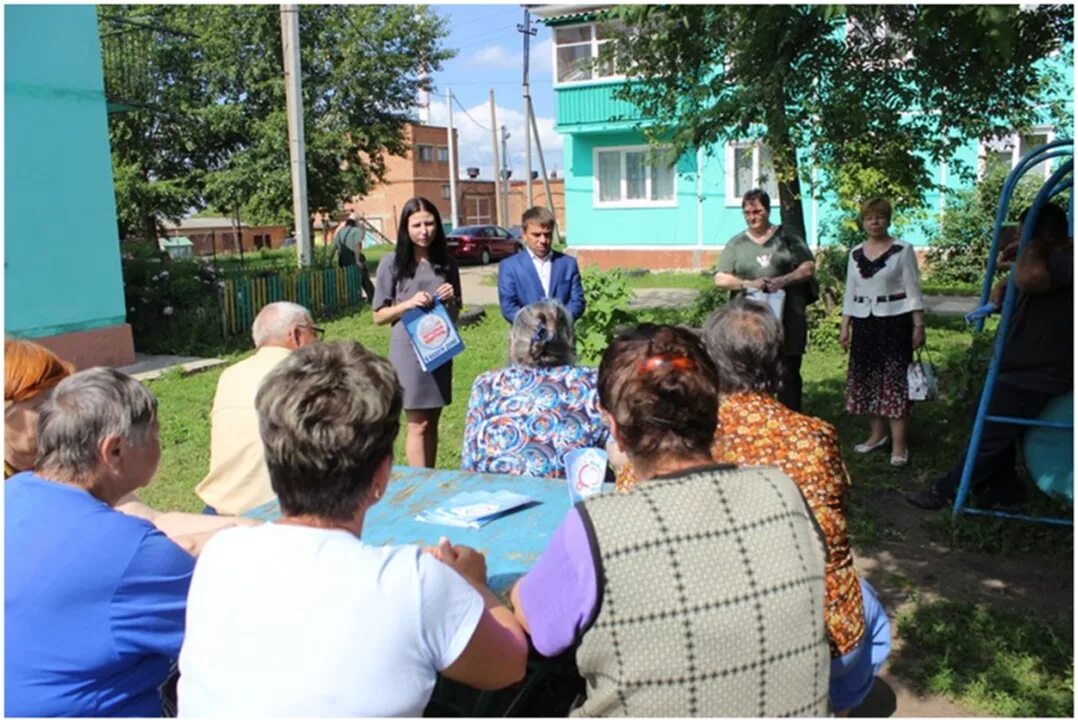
(921, 380)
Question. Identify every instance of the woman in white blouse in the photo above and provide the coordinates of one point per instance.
(883, 322)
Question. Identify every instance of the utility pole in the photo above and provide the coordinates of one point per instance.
(497, 164)
(505, 175)
(296, 150)
(453, 220)
(528, 31)
(530, 119)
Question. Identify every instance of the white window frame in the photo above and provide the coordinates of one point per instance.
(1015, 141)
(733, 199)
(445, 192)
(419, 152)
(595, 43)
(443, 154)
(636, 202)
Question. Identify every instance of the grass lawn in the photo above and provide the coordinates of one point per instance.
(988, 663)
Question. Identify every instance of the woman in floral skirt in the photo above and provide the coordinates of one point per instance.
(882, 324)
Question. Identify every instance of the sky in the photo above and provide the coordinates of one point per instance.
(490, 54)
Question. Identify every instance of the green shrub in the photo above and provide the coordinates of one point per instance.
(607, 294)
(958, 253)
(172, 304)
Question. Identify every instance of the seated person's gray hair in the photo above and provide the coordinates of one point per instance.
(328, 416)
(744, 339)
(83, 410)
(542, 335)
(276, 320)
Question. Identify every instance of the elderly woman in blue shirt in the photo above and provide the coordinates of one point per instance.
(94, 599)
(522, 419)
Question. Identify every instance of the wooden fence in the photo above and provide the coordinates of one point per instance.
(324, 291)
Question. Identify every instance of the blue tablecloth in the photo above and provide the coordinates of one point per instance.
(511, 543)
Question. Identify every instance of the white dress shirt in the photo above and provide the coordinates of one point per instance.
(542, 267)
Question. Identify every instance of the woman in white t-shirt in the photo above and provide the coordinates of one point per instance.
(883, 323)
(300, 617)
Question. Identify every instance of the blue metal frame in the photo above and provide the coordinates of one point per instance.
(1055, 185)
(1030, 159)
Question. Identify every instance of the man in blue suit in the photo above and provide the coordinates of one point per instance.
(539, 272)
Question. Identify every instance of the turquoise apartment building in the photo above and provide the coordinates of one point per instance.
(63, 285)
(625, 213)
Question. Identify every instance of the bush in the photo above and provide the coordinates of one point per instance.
(607, 294)
(172, 303)
(959, 252)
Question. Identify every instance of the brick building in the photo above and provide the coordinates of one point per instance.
(217, 234)
(424, 171)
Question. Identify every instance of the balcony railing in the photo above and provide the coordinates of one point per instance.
(126, 60)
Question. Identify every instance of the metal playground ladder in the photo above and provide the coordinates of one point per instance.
(1061, 180)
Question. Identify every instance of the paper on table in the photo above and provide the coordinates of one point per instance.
(473, 509)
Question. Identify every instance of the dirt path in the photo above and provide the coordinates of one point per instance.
(909, 563)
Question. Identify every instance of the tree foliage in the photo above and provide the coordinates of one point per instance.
(838, 83)
(211, 130)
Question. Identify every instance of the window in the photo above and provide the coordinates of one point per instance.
(577, 48)
(624, 177)
(478, 210)
(426, 153)
(443, 154)
(445, 191)
(748, 166)
(1007, 150)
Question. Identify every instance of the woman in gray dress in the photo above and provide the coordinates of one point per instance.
(420, 271)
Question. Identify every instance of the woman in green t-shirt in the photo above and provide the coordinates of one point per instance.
(769, 258)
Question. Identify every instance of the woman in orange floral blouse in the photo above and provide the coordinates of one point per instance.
(745, 340)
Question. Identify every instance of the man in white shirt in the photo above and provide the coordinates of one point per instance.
(539, 272)
(238, 480)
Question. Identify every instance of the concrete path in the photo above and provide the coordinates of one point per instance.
(148, 367)
(477, 293)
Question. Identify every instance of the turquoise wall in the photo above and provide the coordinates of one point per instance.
(61, 253)
(589, 117)
(701, 218)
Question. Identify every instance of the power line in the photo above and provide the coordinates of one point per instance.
(465, 111)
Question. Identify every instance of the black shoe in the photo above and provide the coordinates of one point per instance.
(928, 499)
(1006, 497)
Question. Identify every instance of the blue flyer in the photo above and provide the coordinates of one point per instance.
(433, 335)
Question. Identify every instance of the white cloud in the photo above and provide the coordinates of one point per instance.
(542, 55)
(498, 57)
(495, 56)
(474, 143)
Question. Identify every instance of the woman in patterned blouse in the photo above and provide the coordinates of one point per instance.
(745, 340)
(522, 419)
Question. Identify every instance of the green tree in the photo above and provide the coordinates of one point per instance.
(212, 130)
(839, 81)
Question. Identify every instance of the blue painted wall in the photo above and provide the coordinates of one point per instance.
(61, 253)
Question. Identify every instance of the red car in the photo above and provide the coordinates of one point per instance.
(481, 243)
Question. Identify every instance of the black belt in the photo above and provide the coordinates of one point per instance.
(880, 299)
